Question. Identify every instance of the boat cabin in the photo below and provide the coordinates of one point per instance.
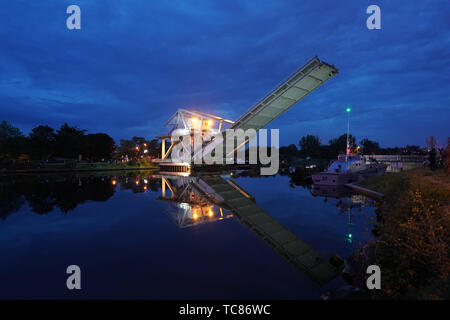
(350, 163)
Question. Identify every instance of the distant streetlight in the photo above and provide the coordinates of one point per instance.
(348, 132)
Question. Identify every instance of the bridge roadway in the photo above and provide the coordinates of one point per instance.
(300, 84)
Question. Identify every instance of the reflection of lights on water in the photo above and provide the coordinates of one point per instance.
(349, 238)
(145, 187)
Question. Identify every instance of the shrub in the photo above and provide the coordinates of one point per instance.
(413, 249)
(146, 163)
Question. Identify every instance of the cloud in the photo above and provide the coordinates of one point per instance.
(133, 64)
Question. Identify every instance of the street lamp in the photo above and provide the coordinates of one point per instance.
(348, 110)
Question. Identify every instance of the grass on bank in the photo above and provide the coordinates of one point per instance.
(74, 165)
(413, 228)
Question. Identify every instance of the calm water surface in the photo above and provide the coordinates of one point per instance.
(130, 242)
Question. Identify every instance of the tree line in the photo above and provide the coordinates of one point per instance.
(311, 146)
(44, 142)
(70, 142)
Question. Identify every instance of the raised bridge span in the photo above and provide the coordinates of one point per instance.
(295, 88)
(301, 83)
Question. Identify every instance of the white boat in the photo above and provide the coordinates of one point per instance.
(348, 169)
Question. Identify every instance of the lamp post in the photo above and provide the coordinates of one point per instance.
(348, 110)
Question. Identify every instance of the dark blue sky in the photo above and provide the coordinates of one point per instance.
(134, 63)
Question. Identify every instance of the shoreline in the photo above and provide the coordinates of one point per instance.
(412, 237)
(34, 171)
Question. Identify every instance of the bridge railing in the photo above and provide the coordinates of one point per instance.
(402, 158)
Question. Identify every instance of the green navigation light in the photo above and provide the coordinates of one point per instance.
(348, 109)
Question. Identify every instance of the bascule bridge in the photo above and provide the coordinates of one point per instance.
(189, 122)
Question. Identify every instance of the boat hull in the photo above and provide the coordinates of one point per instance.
(333, 179)
(341, 178)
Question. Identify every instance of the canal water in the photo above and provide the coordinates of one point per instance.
(135, 235)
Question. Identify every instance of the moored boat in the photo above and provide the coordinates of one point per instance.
(348, 169)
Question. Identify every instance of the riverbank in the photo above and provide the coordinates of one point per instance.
(80, 167)
(412, 246)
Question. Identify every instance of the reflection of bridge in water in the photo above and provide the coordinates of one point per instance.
(201, 199)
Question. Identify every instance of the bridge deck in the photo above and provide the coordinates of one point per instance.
(295, 88)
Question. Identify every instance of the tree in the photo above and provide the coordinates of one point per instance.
(42, 141)
(99, 145)
(126, 147)
(309, 145)
(135, 147)
(154, 148)
(325, 152)
(412, 150)
(369, 146)
(287, 152)
(12, 141)
(138, 141)
(339, 145)
(7, 131)
(69, 141)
